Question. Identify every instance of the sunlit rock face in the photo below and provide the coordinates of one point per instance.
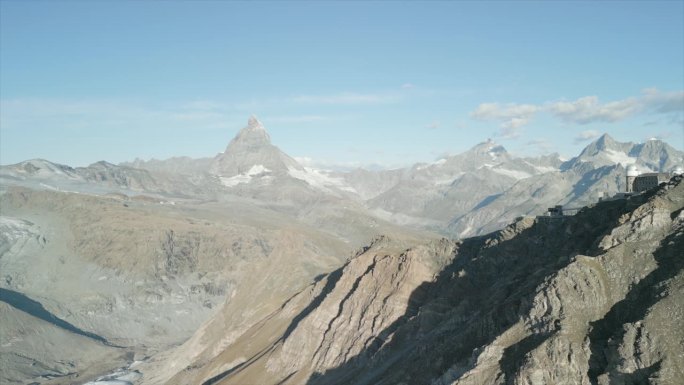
(593, 298)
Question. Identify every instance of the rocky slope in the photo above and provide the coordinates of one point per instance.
(182, 165)
(103, 178)
(36, 341)
(595, 298)
(139, 273)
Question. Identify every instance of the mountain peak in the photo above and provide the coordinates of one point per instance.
(605, 141)
(254, 124)
(604, 144)
(253, 135)
(489, 147)
(249, 148)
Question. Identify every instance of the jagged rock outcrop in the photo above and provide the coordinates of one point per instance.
(595, 298)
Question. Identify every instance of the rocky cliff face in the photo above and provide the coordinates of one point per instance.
(591, 299)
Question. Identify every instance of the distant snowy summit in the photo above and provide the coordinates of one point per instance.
(251, 153)
(251, 159)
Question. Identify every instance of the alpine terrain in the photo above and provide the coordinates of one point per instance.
(249, 268)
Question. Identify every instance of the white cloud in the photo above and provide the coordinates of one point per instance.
(586, 135)
(584, 110)
(511, 116)
(588, 110)
(407, 85)
(663, 102)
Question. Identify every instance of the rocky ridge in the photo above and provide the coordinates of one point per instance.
(139, 274)
(590, 299)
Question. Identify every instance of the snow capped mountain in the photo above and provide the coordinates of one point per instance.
(476, 191)
(252, 147)
(253, 208)
(251, 160)
(653, 155)
(599, 170)
(432, 195)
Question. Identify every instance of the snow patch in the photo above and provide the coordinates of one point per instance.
(465, 232)
(438, 162)
(512, 173)
(448, 181)
(444, 182)
(49, 187)
(542, 169)
(256, 171)
(119, 377)
(403, 219)
(318, 179)
(545, 169)
(619, 157)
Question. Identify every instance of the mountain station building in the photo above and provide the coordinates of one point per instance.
(637, 182)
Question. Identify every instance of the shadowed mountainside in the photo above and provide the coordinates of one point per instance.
(585, 299)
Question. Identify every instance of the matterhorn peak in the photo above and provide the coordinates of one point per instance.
(254, 124)
(253, 135)
(251, 148)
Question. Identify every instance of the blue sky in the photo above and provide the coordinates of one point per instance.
(352, 83)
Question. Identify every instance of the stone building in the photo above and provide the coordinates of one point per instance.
(638, 182)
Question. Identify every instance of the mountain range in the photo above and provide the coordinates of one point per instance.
(250, 267)
(472, 193)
